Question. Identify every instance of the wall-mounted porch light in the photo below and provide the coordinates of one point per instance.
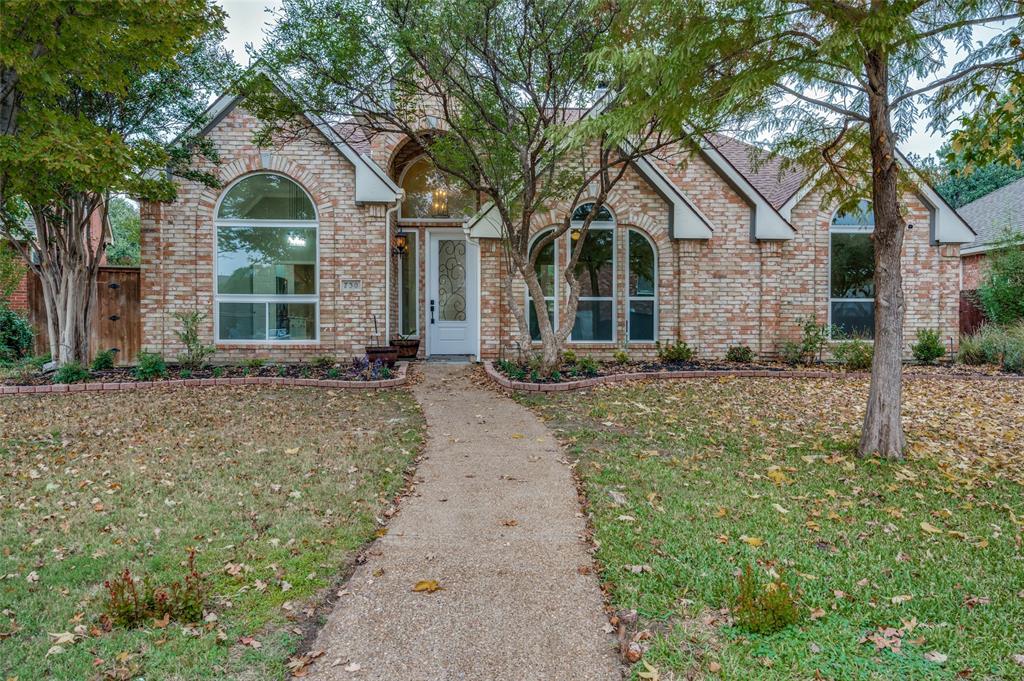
(400, 244)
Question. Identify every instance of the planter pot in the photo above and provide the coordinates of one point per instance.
(387, 354)
(407, 347)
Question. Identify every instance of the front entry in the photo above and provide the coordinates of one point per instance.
(451, 294)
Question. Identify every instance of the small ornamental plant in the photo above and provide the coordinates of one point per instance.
(131, 602)
(764, 608)
(674, 352)
(928, 348)
(740, 354)
(150, 365)
(72, 372)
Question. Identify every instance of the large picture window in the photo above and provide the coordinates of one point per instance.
(643, 277)
(548, 278)
(852, 265)
(431, 194)
(266, 262)
(595, 271)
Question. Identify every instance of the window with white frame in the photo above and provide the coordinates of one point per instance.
(266, 279)
(546, 275)
(595, 272)
(408, 287)
(643, 277)
(852, 267)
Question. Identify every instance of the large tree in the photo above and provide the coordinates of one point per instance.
(490, 90)
(836, 84)
(77, 133)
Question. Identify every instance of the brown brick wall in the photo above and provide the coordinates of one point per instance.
(973, 270)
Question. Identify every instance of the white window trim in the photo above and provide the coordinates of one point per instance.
(257, 299)
(553, 298)
(630, 298)
(416, 290)
(843, 229)
(597, 226)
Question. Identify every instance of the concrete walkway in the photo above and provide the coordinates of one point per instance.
(496, 522)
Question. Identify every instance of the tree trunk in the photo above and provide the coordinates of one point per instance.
(883, 429)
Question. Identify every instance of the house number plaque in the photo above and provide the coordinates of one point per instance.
(351, 285)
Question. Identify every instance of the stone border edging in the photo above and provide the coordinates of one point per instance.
(522, 386)
(400, 378)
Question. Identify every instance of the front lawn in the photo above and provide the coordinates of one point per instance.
(275, 488)
(908, 570)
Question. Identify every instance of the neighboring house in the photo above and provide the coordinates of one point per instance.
(296, 254)
(991, 217)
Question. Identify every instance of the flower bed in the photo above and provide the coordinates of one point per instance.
(357, 373)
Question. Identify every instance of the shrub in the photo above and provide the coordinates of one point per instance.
(196, 353)
(792, 353)
(385, 372)
(739, 353)
(15, 334)
(72, 372)
(185, 373)
(569, 357)
(103, 360)
(334, 373)
(587, 366)
(993, 344)
(1013, 361)
(217, 372)
(928, 347)
(126, 605)
(813, 340)
(621, 357)
(150, 365)
(764, 608)
(282, 370)
(674, 352)
(855, 355)
(322, 362)
(511, 369)
(1002, 291)
(254, 363)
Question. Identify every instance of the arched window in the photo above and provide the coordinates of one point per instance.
(643, 284)
(431, 194)
(852, 266)
(546, 273)
(595, 270)
(266, 264)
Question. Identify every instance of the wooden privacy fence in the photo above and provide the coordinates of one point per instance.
(116, 322)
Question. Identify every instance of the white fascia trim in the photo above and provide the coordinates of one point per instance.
(486, 224)
(687, 220)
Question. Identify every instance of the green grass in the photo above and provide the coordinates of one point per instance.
(704, 463)
(285, 483)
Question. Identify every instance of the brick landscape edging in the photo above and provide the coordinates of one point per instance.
(522, 386)
(401, 377)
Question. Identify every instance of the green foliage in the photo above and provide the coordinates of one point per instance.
(741, 354)
(621, 356)
(855, 355)
(126, 605)
(569, 357)
(960, 183)
(124, 227)
(254, 363)
(15, 334)
(196, 352)
(587, 366)
(813, 340)
(511, 369)
(322, 362)
(385, 372)
(993, 344)
(12, 271)
(1002, 291)
(184, 373)
(150, 366)
(70, 372)
(334, 373)
(928, 347)
(994, 131)
(764, 608)
(678, 351)
(103, 360)
(792, 353)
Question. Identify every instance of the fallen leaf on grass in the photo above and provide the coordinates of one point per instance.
(903, 598)
(426, 586)
(650, 673)
(936, 657)
(817, 613)
(163, 621)
(930, 529)
(752, 541)
(780, 509)
(251, 642)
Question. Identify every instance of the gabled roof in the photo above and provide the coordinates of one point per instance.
(764, 171)
(372, 184)
(992, 214)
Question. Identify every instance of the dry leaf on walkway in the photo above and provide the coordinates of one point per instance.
(426, 586)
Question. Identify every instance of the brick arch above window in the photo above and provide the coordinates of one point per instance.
(253, 164)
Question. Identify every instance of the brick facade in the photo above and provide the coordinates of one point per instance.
(713, 293)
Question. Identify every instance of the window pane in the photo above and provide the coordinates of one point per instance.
(292, 321)
(641, 320)
(266, 260)
(853, 266)
(266, 197)
(243, 321)
(641, 266)
(430, 193)
(583, 210)
(594, 321)
(862, 216)
(534, 325)
(595, 268)
(854, 319)
(409, 288)
(546, 269)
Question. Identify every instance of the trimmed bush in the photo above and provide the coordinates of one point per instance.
(674, 352)
(72, 372)
(741, 354)
(587, 366)
(855, 355)
(621, 357)
(103, 360)
(928, 347)
(15, 334)
(569, 357)
(150, 365)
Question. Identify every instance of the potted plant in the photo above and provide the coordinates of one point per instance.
(387, 354)
(407, 346)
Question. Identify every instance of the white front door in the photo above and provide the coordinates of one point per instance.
(451, 294)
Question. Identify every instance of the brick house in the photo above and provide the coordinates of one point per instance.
(990, 216)
(298, 252)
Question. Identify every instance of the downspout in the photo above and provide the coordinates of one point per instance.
(387, 270)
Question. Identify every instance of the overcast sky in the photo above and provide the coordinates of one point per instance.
(247, 21)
